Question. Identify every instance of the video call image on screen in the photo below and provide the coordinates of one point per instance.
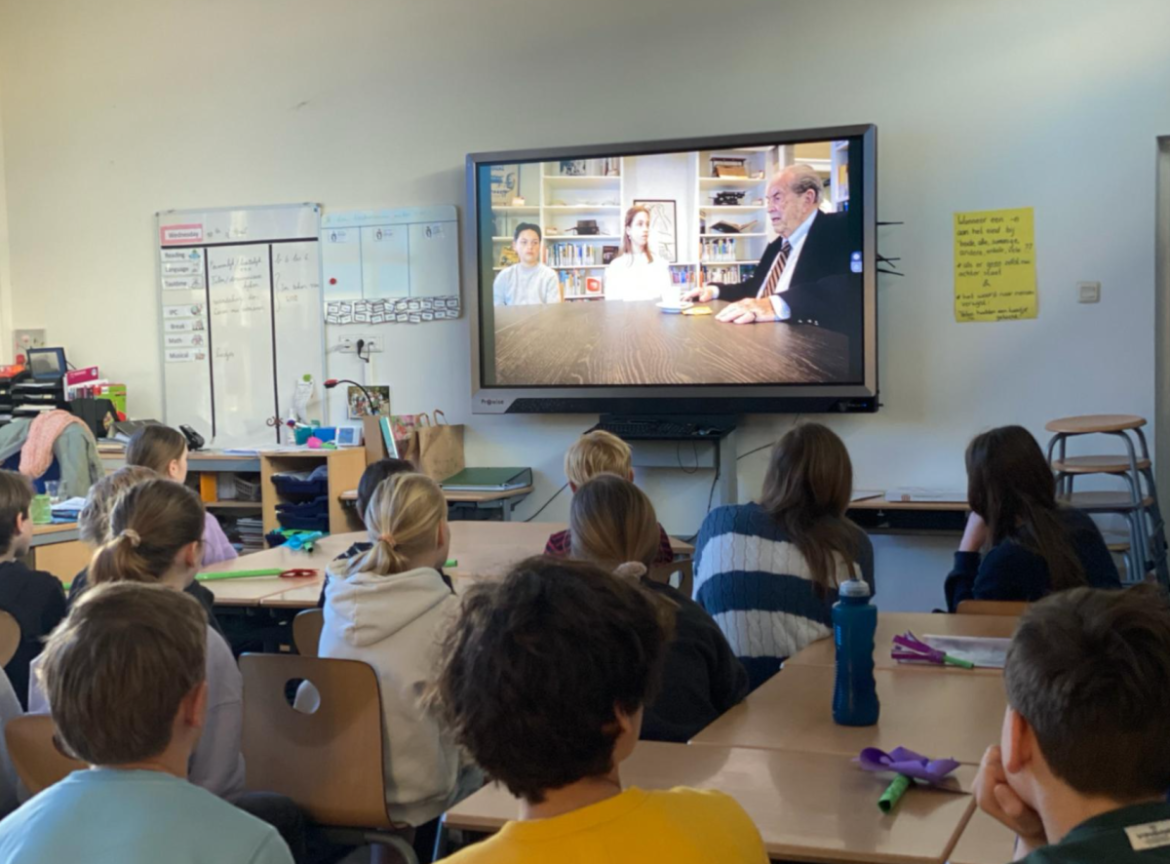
(730, 267)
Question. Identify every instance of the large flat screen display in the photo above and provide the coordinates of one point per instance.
(697, 276)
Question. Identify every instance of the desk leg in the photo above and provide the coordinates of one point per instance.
(506, 507)
(728, 468)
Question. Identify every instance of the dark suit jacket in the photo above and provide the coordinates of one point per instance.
(823, 291)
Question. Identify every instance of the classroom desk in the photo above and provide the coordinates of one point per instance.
(504, 501)
(936, 714)
(983, 841)
(252, 590)
(879, 516)
(891, 624)
(807, 806)
(600, 342)
(56, 549)
(490, 548)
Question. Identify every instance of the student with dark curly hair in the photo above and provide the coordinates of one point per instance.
(544, 681)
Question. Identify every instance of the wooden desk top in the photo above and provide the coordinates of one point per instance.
(880, 503)
(983, 841)
(481, 548)
(939, 715)
(490, 548)
(623, 343)
(891, 624)
(460, 497)
(251, 591)
(807, 806)
(53, 528)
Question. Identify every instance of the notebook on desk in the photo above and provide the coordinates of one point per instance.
(488, 480)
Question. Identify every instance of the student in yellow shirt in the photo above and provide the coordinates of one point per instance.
(544, 680)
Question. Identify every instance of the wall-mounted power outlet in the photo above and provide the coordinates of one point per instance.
(25, 339)
(1089, 292)
(346, 345)
(373, 345)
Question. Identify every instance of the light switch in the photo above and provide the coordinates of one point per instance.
(1090, 292)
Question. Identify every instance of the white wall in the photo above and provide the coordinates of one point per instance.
(5, 268)
(115, 110)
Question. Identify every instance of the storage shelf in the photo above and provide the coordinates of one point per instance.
(508, 208)
(733, 208)
(557, 238)
(576, 208)
(587, 182)
(578, 266)
(732, 236)
(233, 505)
(731, 181)
(584, 297)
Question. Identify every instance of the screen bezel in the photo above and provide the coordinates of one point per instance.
(680, 399)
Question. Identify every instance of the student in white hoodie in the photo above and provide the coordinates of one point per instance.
(389, 608)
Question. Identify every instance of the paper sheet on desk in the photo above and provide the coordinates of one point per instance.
(986, 652)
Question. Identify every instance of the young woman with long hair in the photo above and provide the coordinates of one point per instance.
(637, 273)
(768, 571)
(1036, 545)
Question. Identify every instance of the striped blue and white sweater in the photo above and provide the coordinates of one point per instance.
(758, 587)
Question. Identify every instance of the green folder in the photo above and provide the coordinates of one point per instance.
(488, 480)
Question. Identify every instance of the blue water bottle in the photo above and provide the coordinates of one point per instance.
(855, 701)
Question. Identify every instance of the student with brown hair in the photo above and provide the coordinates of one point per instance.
(600, 452)
(34, 598)
(156, 537)
(127, 677)
(1083, 764)
(1037, 546)
(93, 524)
(614, 526)
(768, 572)
(164, 451)
(544, 680)
(388, 607)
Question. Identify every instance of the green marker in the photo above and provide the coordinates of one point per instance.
(239, 574)
(451, 563)
(894, 793)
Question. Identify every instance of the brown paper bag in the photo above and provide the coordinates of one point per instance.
(436, 448)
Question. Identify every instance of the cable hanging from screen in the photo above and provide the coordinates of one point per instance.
(546, 503)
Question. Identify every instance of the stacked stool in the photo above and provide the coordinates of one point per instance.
(1145, 550)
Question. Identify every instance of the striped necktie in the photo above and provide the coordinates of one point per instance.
(777, 270)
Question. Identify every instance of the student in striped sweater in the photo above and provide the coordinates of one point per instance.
(768, 571)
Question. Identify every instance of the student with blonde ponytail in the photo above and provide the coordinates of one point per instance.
(389, 607)
(612, 524)
(156, 537)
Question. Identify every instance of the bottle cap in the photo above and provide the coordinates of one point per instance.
(854, 588)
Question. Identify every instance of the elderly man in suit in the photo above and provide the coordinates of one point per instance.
(803, 276)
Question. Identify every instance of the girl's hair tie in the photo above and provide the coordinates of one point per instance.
(131, 535)
(631, 570)
(388, 539)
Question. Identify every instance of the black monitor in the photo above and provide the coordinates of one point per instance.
(719, 275)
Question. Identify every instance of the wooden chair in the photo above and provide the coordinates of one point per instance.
(307, 631)
(684, 567)
(1014, 608)
(9, 637)
(33, 749)
(329, 762)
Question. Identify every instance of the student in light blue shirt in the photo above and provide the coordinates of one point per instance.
(126, 678)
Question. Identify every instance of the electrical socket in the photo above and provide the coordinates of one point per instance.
(346, 345)
(25, 339)
(373, 345)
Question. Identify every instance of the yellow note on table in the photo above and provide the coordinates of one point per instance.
(995, 265)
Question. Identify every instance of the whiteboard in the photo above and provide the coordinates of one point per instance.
(241, 317)
(390, 254)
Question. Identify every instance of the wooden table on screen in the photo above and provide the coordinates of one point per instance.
(941, 715)
(891, 624)
(614, 343)
(807, 806)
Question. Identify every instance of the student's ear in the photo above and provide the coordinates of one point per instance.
(192, 554)
(631, 476)
(443, 535)
(173, 469)
(24, 524)
(193, 708)
(572, 487)
(629, 730)
(1017, 742)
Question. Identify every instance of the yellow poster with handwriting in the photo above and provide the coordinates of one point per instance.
(995, 265)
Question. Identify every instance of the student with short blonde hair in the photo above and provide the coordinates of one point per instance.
(156, 538)
(768, 571)
(34, 598)
(544, 679)
(164, 451)
(388, 607)
(613, 525)
(594, 453)
(127, 676)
